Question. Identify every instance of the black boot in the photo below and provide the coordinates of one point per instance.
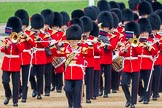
(6, 101)
(34, 93)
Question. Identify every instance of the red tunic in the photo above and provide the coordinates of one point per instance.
(106, 58)
(75, 70)
(28, 43)
(159, 58)
(39, 55)
(131, 60)
(59, 36)
(146, 58)
(11, 61)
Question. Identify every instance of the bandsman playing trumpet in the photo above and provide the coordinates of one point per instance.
(12, 47)
(159, 13)
(39, 54)
(48, 17)
(155, 24)
(25, 55)
(89, 72)
(147, 59)
(130, 51)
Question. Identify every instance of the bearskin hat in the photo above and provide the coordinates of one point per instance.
(57, 21)
(133, 4)
(48, 16)
(66, 17)
(23, 15)
(133, 26)
(74, 32)
(121, 5)
(154, 21)
(118, 13)
(77, 13)
(114, 4)
(90, 12)
(15, 24)
(106, 19)
(145, 8)
(159, 13)
(37, 21)
(115, 19)
(95, 31)
(145, 25)
(156, 6)
(136, 17)
(103, 5)
(127, 15)
(87, 24)
(96, 9)
(77, 21)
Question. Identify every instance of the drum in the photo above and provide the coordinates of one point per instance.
(58, 61)
(117, 63)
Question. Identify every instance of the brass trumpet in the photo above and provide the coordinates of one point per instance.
(14, 37)
(134, 42)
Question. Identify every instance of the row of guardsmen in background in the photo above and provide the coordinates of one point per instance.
(83, 49)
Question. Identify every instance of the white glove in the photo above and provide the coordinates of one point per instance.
(60, 43)
(52, 42)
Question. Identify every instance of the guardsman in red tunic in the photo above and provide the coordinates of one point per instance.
(12, 47)
(97, 65)
(74, 66)
(147, 59)
(115, 73)
(131, 71)
(155, 24)
(25, 55)
(39, 59)
(159, 13)
(88, 27)
(48, 17)
(59, 36)
(110, 41)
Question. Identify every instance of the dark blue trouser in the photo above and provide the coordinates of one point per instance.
(115, 80)
(37, 70)
(57, 80)
(106, 69)
(96, 82)
(73, 90)
(131, 97)
(48, 77)
(156, 80)
(25, 73)
(160, 88)
(144, 75)
(89, 82)
(15, 84)
(32, 79)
